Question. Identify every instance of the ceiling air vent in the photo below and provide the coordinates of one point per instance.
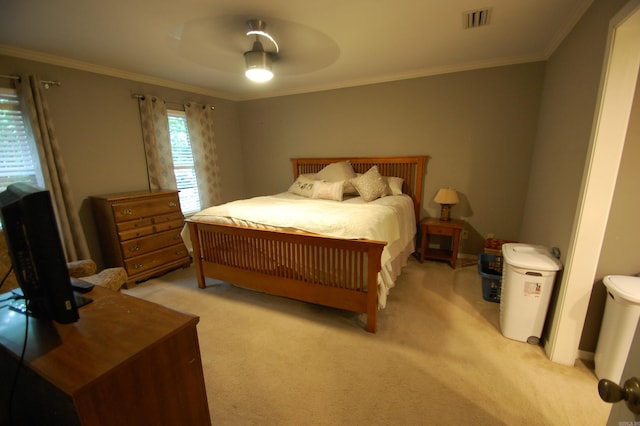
(476, 18)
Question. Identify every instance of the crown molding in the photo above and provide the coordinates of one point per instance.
(571, 22)
(427, 72)
(111, 72)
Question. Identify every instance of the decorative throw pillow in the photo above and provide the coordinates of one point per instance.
(349, 189)
(370, 185)
(303, 186)
(328, 190)
(395, 185)
(336, 172)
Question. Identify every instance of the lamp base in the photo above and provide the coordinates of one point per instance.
(445, 212)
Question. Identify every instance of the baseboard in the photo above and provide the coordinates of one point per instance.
(586, 355)
(467, 256)
(466, 259)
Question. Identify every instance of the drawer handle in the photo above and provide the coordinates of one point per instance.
(137, 266)
(176, 237)
(172, 204)
(134, 248)
(180, 251)
(126, 211)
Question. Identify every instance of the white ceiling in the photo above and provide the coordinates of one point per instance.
(198, 45)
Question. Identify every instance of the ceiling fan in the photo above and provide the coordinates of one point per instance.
(258, 61)
(217, 42)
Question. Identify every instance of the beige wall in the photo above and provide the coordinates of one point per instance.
(98, 127)
(477, 126)
(568, 104)
(569, 97)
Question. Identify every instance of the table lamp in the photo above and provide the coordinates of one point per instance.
(446, 197)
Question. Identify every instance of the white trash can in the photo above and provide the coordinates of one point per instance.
(528, 275)
(621, 314)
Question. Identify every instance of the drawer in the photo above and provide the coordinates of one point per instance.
(167, 218)
(134, 224)
(144, 245)
(141, 227)
(165, 226)
(139, 264)
(439, 230)
(146, 207)
(136, 233)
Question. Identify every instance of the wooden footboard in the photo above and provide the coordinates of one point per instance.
(328, 271)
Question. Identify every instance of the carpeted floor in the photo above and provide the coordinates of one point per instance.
(438, 358)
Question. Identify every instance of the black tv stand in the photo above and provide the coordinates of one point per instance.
(19, 304)
(81, 300)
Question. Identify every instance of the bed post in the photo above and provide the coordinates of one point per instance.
(372, 315)
(417, 197)
(374, 254)
(195, 242)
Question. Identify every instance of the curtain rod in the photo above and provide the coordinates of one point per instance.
(139, 96)
(46, 83)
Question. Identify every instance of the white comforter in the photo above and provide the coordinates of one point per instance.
(390, 219)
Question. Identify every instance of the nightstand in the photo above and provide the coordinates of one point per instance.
(434, 226)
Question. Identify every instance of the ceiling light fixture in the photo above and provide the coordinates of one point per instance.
(258, 61)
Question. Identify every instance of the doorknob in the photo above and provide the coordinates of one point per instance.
(610, 392)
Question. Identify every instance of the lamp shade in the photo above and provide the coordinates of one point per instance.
(258, 64)
(446, 196)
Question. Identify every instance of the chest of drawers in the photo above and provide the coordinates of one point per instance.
(140, 231)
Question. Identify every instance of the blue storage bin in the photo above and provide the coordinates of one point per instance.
(489, 268)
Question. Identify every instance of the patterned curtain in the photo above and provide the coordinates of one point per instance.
(157, 144)
(35, 107)
(202, 136)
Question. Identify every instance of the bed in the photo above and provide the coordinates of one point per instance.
(338, 271)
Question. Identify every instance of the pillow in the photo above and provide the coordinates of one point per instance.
(303, 186)
(348, 188)
(336, 172)
(395, 185)
(328, 190)
(370, 185)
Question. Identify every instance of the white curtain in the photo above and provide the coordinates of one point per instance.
(36, 109)
(201, 133)
(157, 144)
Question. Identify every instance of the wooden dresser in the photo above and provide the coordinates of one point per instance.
(140, 231)
(126, 361)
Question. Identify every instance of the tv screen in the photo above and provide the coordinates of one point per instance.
(36, 253)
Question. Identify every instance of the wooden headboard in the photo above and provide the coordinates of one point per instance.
(411, 169)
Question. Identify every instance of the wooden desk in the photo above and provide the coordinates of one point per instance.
(434, 226)
(125, 362)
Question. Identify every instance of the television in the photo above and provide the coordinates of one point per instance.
(37, 256)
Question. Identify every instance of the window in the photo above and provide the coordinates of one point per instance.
(183, 166)
(19, 161)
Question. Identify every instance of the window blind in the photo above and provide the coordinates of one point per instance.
(19, 160)
(183, 165)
